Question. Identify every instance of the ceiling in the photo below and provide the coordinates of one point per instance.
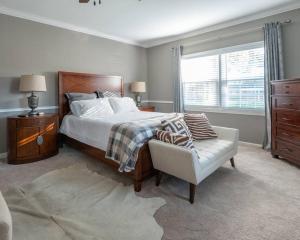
(147, 22)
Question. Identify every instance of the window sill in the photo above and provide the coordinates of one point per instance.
(224, 110)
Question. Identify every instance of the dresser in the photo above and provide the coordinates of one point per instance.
(32, 138)
(286, 120)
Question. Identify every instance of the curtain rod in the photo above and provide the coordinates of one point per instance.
(250, 30)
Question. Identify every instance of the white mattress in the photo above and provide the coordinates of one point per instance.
(95, 132)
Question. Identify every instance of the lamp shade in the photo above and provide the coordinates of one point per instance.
(138, 87)
(32, 83)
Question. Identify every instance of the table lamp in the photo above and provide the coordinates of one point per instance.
(33, 83)
(138, 88)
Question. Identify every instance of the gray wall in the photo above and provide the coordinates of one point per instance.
(27, 47)
(160, 68)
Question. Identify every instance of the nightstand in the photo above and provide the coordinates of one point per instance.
(32, 138)
(147, 108)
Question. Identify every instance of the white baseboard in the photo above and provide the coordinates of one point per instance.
(3, 155)
(157, 101)
(249, 143)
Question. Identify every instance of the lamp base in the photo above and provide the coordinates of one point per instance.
(33, 113)
(138, 99)
(33, 102)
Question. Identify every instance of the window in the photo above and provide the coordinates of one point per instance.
(231, 78)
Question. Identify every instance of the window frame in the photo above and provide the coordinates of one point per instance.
(219, 52)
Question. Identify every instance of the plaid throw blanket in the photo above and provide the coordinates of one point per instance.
(126, 139)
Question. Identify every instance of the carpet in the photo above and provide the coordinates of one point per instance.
(259, 200)
(76, 203)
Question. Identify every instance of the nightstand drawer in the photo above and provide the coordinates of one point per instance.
(26, 142)
(49, 136)
(34, 121)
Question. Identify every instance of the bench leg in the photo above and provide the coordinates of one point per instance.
(192, 192)
(158, 178)
(232, 162)
(137, 186)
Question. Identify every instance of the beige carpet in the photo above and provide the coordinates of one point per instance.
(76, 203)
(258, 200)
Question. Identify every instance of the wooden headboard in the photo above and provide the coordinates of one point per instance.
(84, 83)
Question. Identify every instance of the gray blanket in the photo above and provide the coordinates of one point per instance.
(126, 139)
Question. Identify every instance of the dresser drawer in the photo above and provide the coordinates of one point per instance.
(286, 103)
(288, 150)
(287, 117)
(288, 133)
(288, 88)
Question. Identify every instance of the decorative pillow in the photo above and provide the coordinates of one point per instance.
(176, 125)
(101, 94)
(199, 126)
(176, 139)
(80, 96)
(121, 105)
(95, 108)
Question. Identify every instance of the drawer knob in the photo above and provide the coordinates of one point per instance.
(287, 92)
(40, 140)
(285, 119)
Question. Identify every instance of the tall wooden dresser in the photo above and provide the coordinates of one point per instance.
(286, 120)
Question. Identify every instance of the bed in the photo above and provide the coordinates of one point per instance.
(89, 83)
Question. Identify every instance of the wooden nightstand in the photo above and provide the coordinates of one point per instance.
(32, 138)
(147, 108)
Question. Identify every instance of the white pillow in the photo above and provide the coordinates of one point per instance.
(94, 108)
(121, 105)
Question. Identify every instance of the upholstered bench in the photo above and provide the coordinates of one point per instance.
(5, 220)
(186, 165)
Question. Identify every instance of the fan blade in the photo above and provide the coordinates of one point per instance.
(84, 1)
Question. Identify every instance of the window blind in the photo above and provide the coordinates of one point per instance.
(242, 76)
(200, 87)
(228, 79)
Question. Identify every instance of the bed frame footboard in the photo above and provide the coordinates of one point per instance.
(143, 169)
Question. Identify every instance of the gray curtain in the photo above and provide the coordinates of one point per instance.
(273, 70)
(178, 88)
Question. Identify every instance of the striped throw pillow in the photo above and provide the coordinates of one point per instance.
(104, 94)
(176, 125)
(176, 139)
(199, 126)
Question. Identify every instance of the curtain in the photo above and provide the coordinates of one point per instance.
(178, 87)
(273, 71)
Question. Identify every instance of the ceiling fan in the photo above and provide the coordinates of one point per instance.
(86, 1)
(95, 2)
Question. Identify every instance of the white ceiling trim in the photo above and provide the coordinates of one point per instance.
(60, 24)
(151, 43)
(268, 13)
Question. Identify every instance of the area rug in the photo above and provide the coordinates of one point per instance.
(76, 203)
